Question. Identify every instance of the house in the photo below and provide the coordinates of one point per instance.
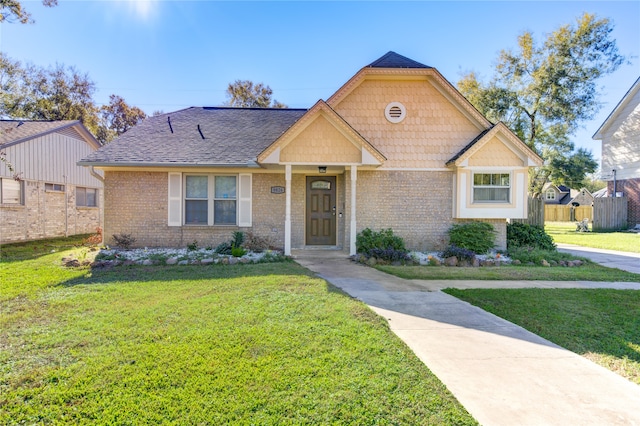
(620, 136)
(563, 195)
(397, 146)
(53, 196)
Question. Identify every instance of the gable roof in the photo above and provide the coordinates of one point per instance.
(393, 60)
(13, 132)
(322, 108)
(621, 105)
(198, 136)
(485, 136)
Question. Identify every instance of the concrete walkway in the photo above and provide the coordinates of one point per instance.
(613, 259)
(501, 373)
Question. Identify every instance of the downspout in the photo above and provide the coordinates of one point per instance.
(66, 207)
(95, 174)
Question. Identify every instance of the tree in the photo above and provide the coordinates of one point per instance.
(544, 91)
(572, 171)
(116, 118)
(246, 94)
(12, 11)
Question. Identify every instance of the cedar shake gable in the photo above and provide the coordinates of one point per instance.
(198, 136)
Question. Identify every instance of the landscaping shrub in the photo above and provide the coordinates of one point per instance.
(383, 239)
(256, 243)
(536, 255)
(524, 235)
(223, 248)
(390, 254)
(460, 252)
(124, 241)
(478, 237)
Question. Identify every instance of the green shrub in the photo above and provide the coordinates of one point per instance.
(237, 239)
(238, 252)
(223, 248)
(383, 239)
(524, 235)
(192, 246)
(459, 252)
(537, 255)
(124, 241)
(478, 237)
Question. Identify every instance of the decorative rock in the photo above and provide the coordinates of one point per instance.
(245, 260)
(488, 262)
(451, 261)
(172, 261)
(578, 262)
(224, 260)
(545, 263)
(372, 261)
(183, 262)
(147, 262)
(206, 261)
(233, 260)
(476, 262)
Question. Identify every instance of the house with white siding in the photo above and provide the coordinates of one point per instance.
(46, 194)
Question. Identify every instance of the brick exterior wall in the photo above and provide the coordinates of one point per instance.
(45, 215)
(631, 189)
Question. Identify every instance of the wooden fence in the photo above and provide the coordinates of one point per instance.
(564, 213)
(535, 212)
(609, 213)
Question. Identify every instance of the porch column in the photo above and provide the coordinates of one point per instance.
(287, 211)
(352, 238)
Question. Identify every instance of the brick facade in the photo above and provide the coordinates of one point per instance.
(630, 189)
(47, 214)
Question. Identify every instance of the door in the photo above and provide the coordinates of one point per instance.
(321, 210)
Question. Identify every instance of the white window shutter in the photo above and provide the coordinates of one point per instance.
(175, 199)
(244, 199)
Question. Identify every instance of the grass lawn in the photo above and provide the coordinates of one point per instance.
(602, 325)
(586, 272)
(241, 344)
(565, 232)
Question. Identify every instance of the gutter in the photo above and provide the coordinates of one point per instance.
(95, 174)
(250, 164)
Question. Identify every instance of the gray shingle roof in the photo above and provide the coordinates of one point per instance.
(15, 131)
(232, 137)
(393, 60)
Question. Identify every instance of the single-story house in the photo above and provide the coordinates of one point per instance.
(52, 196)
(620, 136)
(397, 146)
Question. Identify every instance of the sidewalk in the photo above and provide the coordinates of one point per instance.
(613, 259)
(501, 373)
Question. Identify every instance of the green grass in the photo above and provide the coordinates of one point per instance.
(565, 232)
(586, 272)
(241, 344)
(602, 325)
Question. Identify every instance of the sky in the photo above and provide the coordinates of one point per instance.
(169, 55)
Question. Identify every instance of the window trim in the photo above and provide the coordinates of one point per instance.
(491, 186)
(51, 187)
(20, 194)
(211, 199)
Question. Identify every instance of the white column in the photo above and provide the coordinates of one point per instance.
(352, 238)
(287, 211)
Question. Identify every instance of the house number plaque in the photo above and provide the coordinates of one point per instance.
(277, 189)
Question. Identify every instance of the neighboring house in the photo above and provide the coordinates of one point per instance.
(397, 146)
(54, 196)
(563, 195)
(620, 136)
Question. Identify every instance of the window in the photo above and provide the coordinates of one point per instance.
(210, 200)
(10, 191)
(54, 187)
(550, 194)
(491, 187)
(86, 197)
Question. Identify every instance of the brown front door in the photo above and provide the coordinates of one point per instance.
(321, 210)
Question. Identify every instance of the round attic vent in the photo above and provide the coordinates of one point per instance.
(395, 112)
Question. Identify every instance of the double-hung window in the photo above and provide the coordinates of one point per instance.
(10, 191)
(86, 197)
(210, 200)
(491, 187)
(551, 195)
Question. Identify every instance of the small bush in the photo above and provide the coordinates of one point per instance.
(192, 246)
(536, 255)
(256, 243)
(93, 240)
(390, 254)
(237, 239)
(478, 237)
(524, 235)
(124, 241)
(384, 239)
(238, 251)
(459, 252)
(223, 248)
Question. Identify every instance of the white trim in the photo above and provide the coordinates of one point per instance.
(390, 118)
(174, 208)
(244, 197)
(352, 228)
(415, 169)
(287, 211)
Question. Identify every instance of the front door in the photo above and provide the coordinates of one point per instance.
(321, 210)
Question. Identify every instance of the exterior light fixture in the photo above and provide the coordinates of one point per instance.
(322, 169)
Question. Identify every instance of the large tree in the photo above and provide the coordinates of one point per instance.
(545, 91)
(246, 94)
(12, 11)
(117, 117)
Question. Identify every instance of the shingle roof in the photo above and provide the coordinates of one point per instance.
(469, 146)
(232, 137)
(393, 60)
(14, 131)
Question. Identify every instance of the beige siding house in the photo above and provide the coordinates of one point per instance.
(620, 136)
(396, 147)
(53, 196)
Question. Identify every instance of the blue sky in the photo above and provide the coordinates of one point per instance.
(168, 55)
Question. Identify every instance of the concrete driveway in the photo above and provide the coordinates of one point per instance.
(613, 259)
(501, 373)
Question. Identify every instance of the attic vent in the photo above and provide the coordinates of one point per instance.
(395, 112)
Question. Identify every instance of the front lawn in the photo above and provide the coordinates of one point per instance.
(565, 232)
(602, 325)
(586, 272)
(217, 344)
